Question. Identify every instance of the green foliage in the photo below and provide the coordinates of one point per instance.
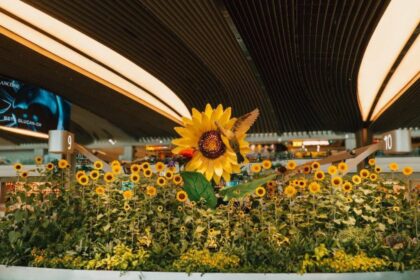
(244, 189)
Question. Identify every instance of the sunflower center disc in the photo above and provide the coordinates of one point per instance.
(211, 144)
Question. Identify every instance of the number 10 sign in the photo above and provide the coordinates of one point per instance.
(397, 141)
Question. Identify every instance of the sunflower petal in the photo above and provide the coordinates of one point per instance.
(218, 167)
(183, 142)
(225, 116)
(226, 176)
(208, 111)
(196, 113)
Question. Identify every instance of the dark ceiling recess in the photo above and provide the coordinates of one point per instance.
(308, 53)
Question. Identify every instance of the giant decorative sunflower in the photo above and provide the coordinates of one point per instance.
(213, 156)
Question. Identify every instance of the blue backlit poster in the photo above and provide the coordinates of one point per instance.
(29, 107)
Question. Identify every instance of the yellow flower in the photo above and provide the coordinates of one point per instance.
(378, 199)
(306, 169)
(302, 183)
(172, 169)
(115, 163)
(336, 181)
(372, 161)
(177, 179)
(116, 169)
(373, 177)
(109, 177)
(290, 191)
(127, 206)
(147, 173)
(407, 170)
(79, 174)
(62, 164)
(213, 156)
(342, 167)
(291, 164)
(332, 169)
(169, 175)
(314, 187)
(134, 177)
(349, 199)
(260, 191)
(98, 165)
(256, 168)
(319, 175)
(241, 214)
(364, 173)
(160, 208)
(50, 166)
(159, 166)
(393, 166)
(396, 209)
(347, 187)
(24, 174)
(266, 164)
(135, 168)
(315, 165)
(151, 191)
(161, 181)
(356, 179)
(38, 160)
(181, 196)
(94, 175)
(127, 194)
(378, 169)
(100, 190)
(83, 180)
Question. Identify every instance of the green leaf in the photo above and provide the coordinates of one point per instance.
(242, 190)
(14, 236)
(196, 186)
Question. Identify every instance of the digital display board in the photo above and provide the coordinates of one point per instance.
(30, 107)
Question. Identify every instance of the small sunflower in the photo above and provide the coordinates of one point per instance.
(291, 165)
(80, 173)
(62, 164)
(135, 168)
(373, 177)
(378, 169)
(302, 184)
(295, 182)
(127, 206)
(396, 209)
(306, 169)
(260, 191)
(116, 169)
(159, 166)
(393, 166)
(128, 194)
(49, 166)
(356, 179)
(349, 199)
(181, 196)
(160, 208)
(314, 187)
(94, 175)
(336, 181)
(378, 199)
(172, 169)
(180, 208)
(161, 181)
(256, 168)
(315, 165)
(372, 161)
(38, 160)
(83, 180)
(109, 177)
(364, 173)
(342, 167)
(24, 174)
(145, 165)
(241, 214)
(147, 173)
(98, 165)
(134, 177)
(151, 191)
(169, 175)
(332, 169)
(177, 179)
(266, 164)
(100, 190)
(213, 156)
(407, 170)
(290, 191)
(271, 184)
(115, 163)
(319, 175)
(347, 187)
(182, 229)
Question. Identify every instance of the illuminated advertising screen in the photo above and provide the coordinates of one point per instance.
(29, 107)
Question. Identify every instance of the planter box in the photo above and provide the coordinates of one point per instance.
(29, 273)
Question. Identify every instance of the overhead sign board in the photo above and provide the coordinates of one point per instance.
(397, 141)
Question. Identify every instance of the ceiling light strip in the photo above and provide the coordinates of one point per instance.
(25, 132)
(50, 48)
(393, 31)
(96, 50)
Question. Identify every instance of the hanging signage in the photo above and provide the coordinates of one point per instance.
(60, 141)
(397, 141)
(29, 107)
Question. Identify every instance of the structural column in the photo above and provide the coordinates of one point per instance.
(364, 137)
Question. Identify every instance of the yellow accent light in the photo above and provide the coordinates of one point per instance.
(394, 29)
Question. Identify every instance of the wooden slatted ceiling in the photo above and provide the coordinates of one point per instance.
(308, 53)
(198, 58)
